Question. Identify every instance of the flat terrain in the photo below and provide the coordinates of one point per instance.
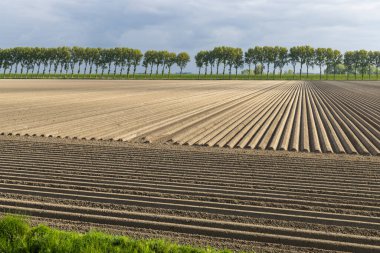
(241, 199)
(239, 194)
(328, 117)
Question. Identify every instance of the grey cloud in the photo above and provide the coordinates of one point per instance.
(190, 25)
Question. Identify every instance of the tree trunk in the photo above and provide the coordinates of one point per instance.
(85, 69)
(151, 71)
(181, 71)
(146, 71)
(249, 71)
(320, 71)
(301, 71)
(157, 70)
(134, 70)
(114, 71)
(267, 71)
(169, 72)
(334, 72)
(369, 72)
(199, 73)
(236, 70)
(217, 69)
(128, 70)
(224, 69)
(78, 70)
(307, 71)
(163, 69)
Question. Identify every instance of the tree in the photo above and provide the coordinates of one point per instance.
(282, 58)
(294, 58)
(302, 57)
(349, 61)
(377, 62)
(218, 53)
(309, 58)
(238, 61)
(249, 58)
(171, 59)
(136, 59)
(276, 51)
(363, 61)
(336, 60)
(182, 60)
(269, 57)
(206, 60)
(164, 56)
(211, 60)
(320, 59)
(371, 61)
(199, 61)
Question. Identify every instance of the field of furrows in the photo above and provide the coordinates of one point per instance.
(326, 116)
(241, 199)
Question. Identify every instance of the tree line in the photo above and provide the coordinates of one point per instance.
(113, 61)
(261, 58)
(221, 60)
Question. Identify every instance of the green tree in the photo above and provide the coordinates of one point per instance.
(199, 61)
(238, 61)
(282, 58)
(349, 61)
(171, 59)
(336, 60)
(294, 58)
(136, 59)
(182, 60)
(362, 61)
(309, 58)
(320, 59)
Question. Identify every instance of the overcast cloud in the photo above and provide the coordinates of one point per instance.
(190, 25)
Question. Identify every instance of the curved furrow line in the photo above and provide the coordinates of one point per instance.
(159, 133)
(363, 137)
(212, 137)
(251, 128)
(363, 124)
(183, 136)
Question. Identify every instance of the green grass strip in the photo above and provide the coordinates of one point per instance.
(17, 236)
(310, 77)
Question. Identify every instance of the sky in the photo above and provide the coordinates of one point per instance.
(190, 25)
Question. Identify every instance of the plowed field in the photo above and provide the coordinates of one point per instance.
(241, 199)
(328, 117)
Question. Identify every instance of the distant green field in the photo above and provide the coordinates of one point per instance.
(191, 77)
(17, 236)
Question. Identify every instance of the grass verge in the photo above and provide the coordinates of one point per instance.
(17, 236)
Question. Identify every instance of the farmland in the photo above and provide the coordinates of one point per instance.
(328, 117)
(197, 162)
